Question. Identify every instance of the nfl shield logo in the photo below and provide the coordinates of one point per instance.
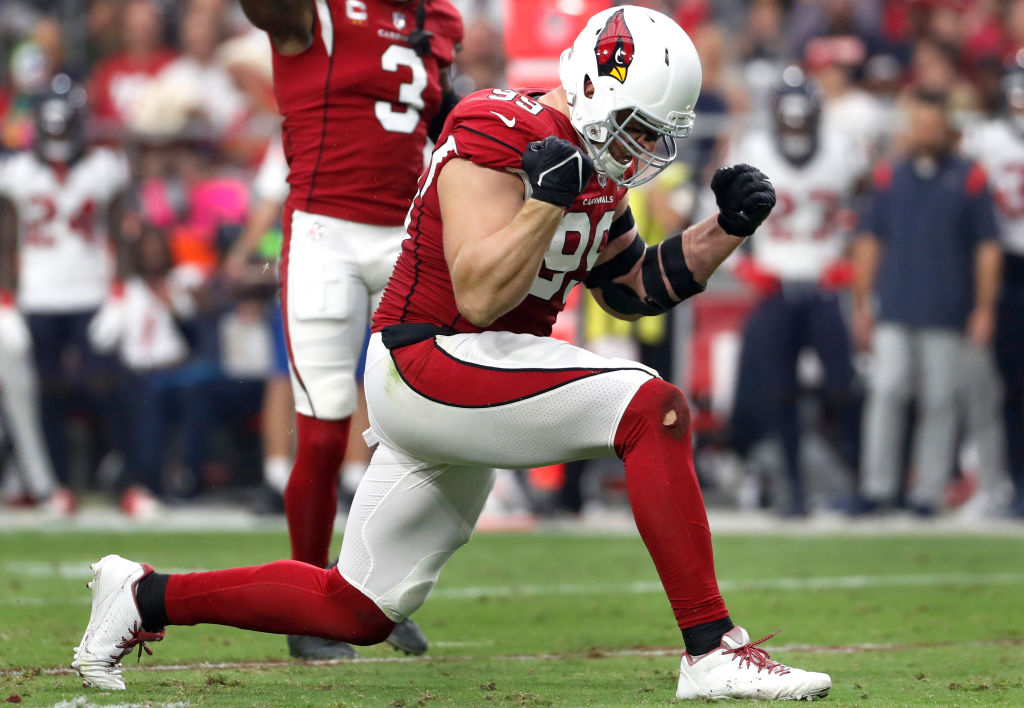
(399, 19)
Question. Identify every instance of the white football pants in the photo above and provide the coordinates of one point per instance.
(445, 412)
(333, 273)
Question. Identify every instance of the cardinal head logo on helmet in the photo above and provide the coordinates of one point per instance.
(614, 48)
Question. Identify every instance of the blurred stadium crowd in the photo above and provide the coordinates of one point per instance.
(171, 383)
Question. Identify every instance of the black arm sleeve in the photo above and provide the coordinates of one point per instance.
(660, 263)
(448, 101)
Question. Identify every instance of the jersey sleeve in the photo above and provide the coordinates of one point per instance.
(493, 128)
(981, 219)
(445, 24)
(112, 170)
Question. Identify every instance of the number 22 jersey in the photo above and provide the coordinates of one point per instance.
(493, 129)
(356, 105)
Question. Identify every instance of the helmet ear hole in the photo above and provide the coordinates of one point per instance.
(588, 87)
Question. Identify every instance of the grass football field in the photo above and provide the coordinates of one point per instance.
(546, 619)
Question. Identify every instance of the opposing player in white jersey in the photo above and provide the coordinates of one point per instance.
(59, 258)
(796, 266)
(998, 146)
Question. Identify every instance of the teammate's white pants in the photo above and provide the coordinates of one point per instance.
(333, 273)
(446, 411)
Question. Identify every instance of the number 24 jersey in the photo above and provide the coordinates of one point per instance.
(64, 254)
(493, 129)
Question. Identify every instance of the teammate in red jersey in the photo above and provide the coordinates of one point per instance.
(358, 84)
(460, 378)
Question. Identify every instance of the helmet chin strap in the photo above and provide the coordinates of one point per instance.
(60, 151)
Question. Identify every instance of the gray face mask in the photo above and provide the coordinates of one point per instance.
(797, 147)
(57, 149)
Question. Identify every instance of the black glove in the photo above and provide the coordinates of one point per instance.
(745, 198)
(558, 170)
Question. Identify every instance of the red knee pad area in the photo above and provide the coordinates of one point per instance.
(658, 405)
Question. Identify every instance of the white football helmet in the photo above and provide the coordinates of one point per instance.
(645, 73)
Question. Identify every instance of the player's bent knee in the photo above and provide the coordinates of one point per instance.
(657, 408)
(666, 404)
(373, 629)
(356, 618)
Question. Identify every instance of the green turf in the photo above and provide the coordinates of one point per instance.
(541, 638)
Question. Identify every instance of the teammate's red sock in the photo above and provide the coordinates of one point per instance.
(283, 597)
(653, 439)
(311, 497)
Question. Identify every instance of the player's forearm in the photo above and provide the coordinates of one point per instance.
(988, 267)
(493, 274)
(288, 22)
(706, 246)
(865, 254)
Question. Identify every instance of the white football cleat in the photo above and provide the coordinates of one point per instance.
(115, 625)
(741, 669)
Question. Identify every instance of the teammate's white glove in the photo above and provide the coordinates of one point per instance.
(107, 325)
(14, 335)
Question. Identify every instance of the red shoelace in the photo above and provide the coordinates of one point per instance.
(755, 656)
(137, 636)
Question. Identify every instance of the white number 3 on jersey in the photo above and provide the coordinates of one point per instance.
(410, 94)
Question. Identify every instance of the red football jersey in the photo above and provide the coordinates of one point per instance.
(356, 107)
(493, 128)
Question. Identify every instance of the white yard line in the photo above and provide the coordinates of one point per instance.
(762, 584)
(34, 569)
(83, 702)
(591, 654)
(613, 522)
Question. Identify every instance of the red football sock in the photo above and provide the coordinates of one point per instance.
(283, 597)
(311, 497)
(653, 439)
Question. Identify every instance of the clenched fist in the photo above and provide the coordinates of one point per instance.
(558, 170)
(745, 198)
